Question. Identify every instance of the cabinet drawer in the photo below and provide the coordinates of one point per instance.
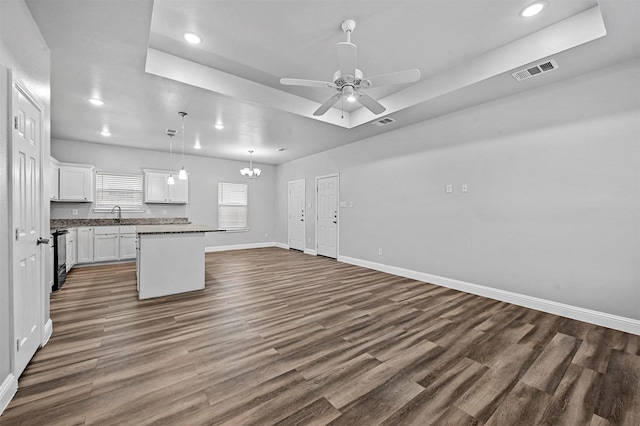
(106, 230)
(127, 229)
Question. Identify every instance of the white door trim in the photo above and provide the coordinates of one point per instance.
(337, 176)
(304, 228)
(45, 329)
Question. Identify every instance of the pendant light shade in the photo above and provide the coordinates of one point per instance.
(183, 173)
(170, 180)
(250, 171)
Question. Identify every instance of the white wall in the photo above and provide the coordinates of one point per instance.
(23, 50)
(552, 211)
(204, 175)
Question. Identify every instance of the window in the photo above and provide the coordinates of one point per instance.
(232, 205)
(118, 189)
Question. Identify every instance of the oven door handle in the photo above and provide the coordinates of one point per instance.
(42, 241)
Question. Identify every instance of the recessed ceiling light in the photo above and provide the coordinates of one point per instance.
(105, 133)
(96, 101)
(533, 9)
(192, 38)
(219, 126)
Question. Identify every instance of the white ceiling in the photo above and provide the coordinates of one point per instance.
(131, 54)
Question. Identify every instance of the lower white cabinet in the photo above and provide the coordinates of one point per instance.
(84, 243)
(127, 242)
(71, 248)
(106, 243)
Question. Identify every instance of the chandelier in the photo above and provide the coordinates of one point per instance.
(250, 171)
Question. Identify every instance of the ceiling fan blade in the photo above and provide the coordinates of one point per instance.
(327, 104)
(408, 76)
(369, 103)
(300, 82)
(347, 58)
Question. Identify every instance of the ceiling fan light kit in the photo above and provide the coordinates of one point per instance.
(348, 80)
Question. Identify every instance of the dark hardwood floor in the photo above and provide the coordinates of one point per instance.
(280, 337)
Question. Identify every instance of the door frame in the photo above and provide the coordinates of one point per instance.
(337, 176)
(304, 228)
(46, 329)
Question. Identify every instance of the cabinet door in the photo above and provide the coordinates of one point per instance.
(106, 247)
(53, 181)
(84, 241)
(76, 183)
(155, 188)
(127, 246)
(68, 250)
(179, 192)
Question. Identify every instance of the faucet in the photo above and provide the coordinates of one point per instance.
(119, 212)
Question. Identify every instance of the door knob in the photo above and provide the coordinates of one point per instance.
(42, 241)
(335, 221)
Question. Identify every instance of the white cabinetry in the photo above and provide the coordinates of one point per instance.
(84, 242)
(127, 242)
(54, 170)
(106, 243)
(156, 189)
(71, 248)
(71, 182)
(76, 182)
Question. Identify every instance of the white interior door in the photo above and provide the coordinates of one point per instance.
(296, 214)
(327, 221)
(26, 221)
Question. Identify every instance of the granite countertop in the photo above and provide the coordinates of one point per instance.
(174, 229)
(56, 224)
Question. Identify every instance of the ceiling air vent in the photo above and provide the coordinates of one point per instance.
(383, 121)
(535, 70)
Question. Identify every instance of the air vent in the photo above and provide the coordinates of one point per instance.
(383, 121)
(535, 70)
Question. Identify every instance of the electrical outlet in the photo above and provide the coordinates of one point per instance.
(448, 189)
(74, 212)
(266, 235)
(464, 187)
(379, 252)
(351, 204)
(164, 212)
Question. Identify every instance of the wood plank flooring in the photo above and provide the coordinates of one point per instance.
(282, 338)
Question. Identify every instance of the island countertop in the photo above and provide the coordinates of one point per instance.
(174, 229)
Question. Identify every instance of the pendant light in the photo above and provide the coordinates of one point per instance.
(250, 171)
(183, 173)
(170, 180)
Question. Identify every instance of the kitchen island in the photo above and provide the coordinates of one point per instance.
(170, 259)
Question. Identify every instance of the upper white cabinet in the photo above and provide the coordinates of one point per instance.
(53, 180)
(157, 190)
(71, 182)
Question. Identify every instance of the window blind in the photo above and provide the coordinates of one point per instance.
(118, 189)
(232, 205)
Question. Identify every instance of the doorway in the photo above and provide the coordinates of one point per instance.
(296, 214)
(327, 219)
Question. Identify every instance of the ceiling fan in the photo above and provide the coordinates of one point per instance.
(349, 80)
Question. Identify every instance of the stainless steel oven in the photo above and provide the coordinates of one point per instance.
(59, 258)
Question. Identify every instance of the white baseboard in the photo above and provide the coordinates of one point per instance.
(311, 252)
(616, 322)
(243, 247)
(48, 331)
(8, 389)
